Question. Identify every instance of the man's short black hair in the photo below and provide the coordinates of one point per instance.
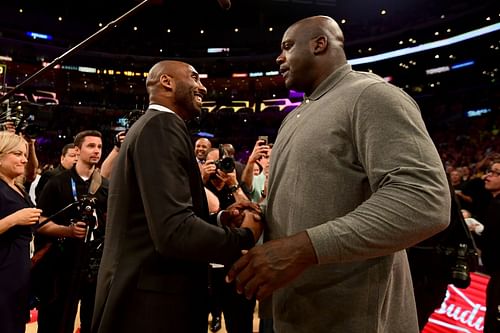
(66, 148)
(80, 137)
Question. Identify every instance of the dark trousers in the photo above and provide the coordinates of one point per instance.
(238, 311)
(492, 317)
(55, 316)
(429, 273)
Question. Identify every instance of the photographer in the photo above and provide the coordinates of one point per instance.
(220, 174)
(67, 272)
(220, 177)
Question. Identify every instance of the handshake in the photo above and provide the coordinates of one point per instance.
(244, 214)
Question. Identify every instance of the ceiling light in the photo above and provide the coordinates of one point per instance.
(202, 32)
(270, 29)
(343, 21)
(59, 18)
(20, 10)
(400, 42)
(383, 12)
(236, 30)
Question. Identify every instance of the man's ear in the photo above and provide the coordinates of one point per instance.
(167, 81)
(319, 44)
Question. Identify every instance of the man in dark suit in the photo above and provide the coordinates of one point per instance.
(153, 273)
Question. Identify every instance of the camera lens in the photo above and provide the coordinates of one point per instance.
(226, 165)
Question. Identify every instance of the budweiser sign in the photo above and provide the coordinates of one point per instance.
(462, 309)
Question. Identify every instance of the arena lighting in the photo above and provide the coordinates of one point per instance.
(256, 74)
(427, 46)
(437, 70)
(84, 69)
(463, 64)
(205, 134)
(36, 35)
(5, 58)
(239, 75)
(272, 73)
(218, 49)
(477, 113)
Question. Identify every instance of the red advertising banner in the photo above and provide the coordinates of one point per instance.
(462, 309)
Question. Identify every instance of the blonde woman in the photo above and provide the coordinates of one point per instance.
(17, 216)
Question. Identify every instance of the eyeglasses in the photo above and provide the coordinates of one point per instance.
(495, 173)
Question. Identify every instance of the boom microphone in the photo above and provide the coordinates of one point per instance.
(225, 4)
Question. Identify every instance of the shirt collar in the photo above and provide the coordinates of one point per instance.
(327, 84)
(159, 107)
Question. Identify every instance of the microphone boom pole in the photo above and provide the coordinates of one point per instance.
(58, 60)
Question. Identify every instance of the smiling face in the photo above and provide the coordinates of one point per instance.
(189, 91)
(12, 162)
(201, 148)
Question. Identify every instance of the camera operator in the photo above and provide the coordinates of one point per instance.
(72, 251)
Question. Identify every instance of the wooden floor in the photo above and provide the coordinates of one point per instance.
(31, 328)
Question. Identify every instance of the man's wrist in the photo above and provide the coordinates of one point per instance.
(234, 188)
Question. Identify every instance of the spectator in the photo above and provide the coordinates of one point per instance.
(68, 270)
(17, 215)
(69, 156)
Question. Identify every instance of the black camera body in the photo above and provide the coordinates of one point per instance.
(86, 207)
(225, 163)
(463, 259)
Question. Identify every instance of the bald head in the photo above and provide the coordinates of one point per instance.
(201, 147)
(314, 26)
(312, 49)
(166, 67)
(176, 85)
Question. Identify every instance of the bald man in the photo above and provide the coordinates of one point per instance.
(354, 180)
(201, 147)
(154, 269)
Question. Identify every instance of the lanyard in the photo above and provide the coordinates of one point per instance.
(73, 189)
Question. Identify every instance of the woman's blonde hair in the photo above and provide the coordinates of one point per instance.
(9, 142)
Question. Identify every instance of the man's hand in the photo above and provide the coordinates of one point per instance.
(118, 139)
(233, 215)
(229, 178)
(253, 221)
(207, 170)
(263, 269)
(261, 149)
(78, 229)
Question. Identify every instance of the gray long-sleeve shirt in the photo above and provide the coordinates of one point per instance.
(356, 168)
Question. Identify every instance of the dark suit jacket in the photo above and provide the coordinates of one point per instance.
(153, 274)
